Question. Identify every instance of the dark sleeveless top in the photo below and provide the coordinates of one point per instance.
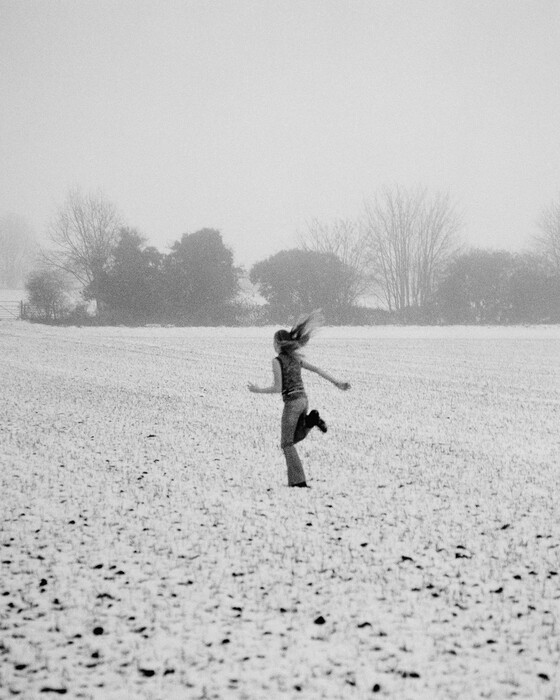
(292, 383)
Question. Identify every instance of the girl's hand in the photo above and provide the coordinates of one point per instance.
(253, 388)
(343, 386)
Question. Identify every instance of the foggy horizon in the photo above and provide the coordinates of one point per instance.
(255, 118)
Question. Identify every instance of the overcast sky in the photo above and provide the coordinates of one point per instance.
(255, 117)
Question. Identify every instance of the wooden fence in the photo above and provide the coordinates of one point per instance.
(11, 310)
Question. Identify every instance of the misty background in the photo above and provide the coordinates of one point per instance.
(255, 117)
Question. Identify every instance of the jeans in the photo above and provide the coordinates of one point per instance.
(294, 429)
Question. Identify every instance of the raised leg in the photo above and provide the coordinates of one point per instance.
(302, 428)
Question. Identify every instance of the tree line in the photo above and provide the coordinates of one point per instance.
(402, 261)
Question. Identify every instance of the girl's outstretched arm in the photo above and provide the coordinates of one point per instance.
(343, 386)
(275, 387)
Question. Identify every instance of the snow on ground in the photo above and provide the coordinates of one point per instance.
(149, 546)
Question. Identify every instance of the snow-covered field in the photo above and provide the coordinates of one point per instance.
(151, 549)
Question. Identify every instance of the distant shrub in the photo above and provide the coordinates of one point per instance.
(47, 290)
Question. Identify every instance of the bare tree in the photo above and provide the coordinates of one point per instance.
(548, 241)
(84, 233)
(345, 239)
(410, 237)
(436, 243)
(17, 250)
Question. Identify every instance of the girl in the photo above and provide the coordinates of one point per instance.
(286, 368)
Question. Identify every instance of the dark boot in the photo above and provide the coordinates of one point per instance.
(315, 420)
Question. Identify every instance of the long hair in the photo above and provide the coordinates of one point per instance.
(291, 342)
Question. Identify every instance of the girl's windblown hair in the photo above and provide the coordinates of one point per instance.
(292, 341)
